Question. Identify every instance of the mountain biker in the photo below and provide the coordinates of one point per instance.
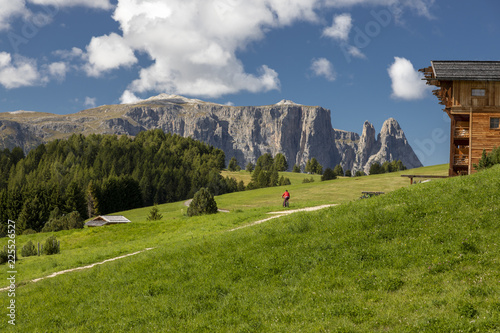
(285, 196)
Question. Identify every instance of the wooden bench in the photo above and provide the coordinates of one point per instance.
(421, 176)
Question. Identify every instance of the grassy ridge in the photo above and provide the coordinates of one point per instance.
(420, 259)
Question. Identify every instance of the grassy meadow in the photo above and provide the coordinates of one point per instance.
(421, 258)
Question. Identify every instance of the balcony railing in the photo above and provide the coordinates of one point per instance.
(461, 132)
(460, 159)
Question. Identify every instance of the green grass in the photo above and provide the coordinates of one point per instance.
(423, 258)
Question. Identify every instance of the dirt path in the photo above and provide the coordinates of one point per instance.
(82, 268)
(283, 213)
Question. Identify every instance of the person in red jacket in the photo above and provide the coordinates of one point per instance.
(286, 196)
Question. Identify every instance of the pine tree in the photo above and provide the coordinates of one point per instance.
(203, 203)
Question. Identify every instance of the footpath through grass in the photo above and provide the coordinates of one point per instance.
(424, 258)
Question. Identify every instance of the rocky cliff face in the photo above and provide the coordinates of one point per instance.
(297, 131)
(389, 145)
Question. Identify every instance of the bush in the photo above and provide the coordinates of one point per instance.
(72, 220)
(51, 246)
(29, 232)
(203, 203)
(296, 168)
(284, 181)
(154, 214)
(4, 255)
(29, 249)
(329, 174)
(305, 180)
(348, 173)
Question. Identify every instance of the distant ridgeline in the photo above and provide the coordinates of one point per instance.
(101, 174)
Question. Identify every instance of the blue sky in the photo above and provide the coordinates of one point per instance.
(357, 58)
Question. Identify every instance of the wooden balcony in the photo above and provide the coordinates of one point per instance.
(460, 159)
(461, 133)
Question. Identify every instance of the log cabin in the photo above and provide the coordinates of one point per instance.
(470, 93)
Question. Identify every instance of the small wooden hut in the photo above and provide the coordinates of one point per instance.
(470, 93)
(99, 221)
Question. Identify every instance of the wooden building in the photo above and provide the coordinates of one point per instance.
(470, 93)
(99, 221)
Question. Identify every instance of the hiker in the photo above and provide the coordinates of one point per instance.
(285, 196)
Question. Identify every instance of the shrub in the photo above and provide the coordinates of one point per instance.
(203, 203)
(296, 168)
(305, 180)
(51, 246)
(4, 255)
(29, 249)
(284, 181)
(154, 214)
(72, 220)
(29, 232)
(348, 173)
(329, 174)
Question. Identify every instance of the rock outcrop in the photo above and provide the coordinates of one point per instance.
(297, 131)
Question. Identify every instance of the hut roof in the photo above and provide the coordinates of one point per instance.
(101, 220)
(466, 70)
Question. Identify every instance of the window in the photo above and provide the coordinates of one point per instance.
(479, 92)
(495, 123)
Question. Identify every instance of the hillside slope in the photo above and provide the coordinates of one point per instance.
(420, 259)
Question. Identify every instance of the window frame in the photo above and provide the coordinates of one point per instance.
(497, 119)
(476, 90)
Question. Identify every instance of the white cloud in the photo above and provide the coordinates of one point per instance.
(17, 72)
(323, 67)
(407, 83)
(90, 102)
(70, 54)
(108, 52)
(98, 4)
(129, 97)
(340, 28)
(58, 70)
(11, 9)
(194, 43)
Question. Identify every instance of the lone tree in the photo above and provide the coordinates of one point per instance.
(329, 174)
(233, 165)
(203, 203)
(154, 214)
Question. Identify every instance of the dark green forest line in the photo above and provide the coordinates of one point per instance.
(102, 174)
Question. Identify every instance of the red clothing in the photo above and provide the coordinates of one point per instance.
(286, 195)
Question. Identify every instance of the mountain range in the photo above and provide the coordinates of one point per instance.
(299, 132)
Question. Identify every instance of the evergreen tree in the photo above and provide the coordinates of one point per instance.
(296, 168)
(376, 168)
(265, 162)
(203, 203)
(233, 165)
(75, 200)
(274, 177)
(250, 166)
(280, 162)
(154, 214)
(348, 173)
(329, 174)
(338, 170)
